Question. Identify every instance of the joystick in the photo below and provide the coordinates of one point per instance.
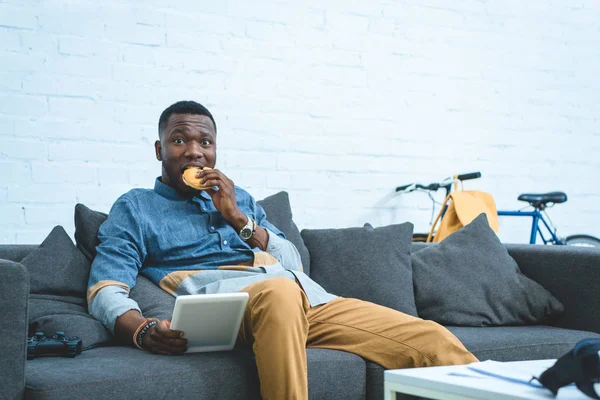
(39, 345)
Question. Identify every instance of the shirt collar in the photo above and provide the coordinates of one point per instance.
(170, 193)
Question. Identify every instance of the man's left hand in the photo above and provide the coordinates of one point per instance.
(224, 198)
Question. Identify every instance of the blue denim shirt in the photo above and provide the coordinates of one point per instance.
(185, 246)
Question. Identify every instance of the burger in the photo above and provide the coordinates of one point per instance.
(189, 178)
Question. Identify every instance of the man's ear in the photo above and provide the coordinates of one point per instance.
(158, 150)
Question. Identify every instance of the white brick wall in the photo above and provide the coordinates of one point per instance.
(336, 102)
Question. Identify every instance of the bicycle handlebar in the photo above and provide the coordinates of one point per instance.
(470, 175)
(403, 187)
(433, 187)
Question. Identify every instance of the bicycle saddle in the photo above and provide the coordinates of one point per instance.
(543, 198)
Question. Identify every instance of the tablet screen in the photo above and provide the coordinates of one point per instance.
(210, 322)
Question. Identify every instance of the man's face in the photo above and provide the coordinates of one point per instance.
(187, 140)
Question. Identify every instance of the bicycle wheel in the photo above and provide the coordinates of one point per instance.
(582, 240)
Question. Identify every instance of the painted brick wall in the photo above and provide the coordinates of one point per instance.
(336, 102)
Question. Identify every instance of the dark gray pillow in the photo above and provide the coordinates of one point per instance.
(50, 314)
(59, 275)
(367, 263)
(469, 279)
(57, 266)
(87, 223)
(279, 213)
(153, 301)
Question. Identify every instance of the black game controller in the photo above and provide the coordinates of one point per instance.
(39, 345)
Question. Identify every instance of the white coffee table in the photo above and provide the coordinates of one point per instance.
(459, 383)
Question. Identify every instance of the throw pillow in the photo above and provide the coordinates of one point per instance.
(50, 314)
(58, 282)
(469, 279)
(57, 266)
(367, 263)
(87, 223)
(279, 213)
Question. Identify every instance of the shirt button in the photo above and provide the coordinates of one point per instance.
(224, 241)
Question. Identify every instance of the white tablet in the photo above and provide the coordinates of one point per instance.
(210, 322)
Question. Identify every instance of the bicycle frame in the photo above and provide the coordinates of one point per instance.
(536, 216)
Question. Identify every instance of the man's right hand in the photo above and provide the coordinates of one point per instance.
(160, 339)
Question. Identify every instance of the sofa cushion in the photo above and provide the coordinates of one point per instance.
(50, 313)
(279, 213)
(469, 279)
(365, 263)
(117, 372)
(57, 267)
(16, 252)
(514, 343)
(87, 223)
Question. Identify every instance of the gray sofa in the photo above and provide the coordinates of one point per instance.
(113, 371)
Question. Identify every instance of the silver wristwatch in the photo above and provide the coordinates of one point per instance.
(248, 230)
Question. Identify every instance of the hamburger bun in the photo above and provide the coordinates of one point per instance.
(189, 178)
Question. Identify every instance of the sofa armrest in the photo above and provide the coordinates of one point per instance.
(571, 274)
(14, 294)
(16, 252)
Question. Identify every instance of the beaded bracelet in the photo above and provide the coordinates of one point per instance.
(137, 331)
(142, 330)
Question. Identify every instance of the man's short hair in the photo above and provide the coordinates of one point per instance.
(183, 107)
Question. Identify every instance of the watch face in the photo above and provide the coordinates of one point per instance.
(246, 233)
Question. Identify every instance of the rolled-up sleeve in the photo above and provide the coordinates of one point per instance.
(279, 247)
(284, 251)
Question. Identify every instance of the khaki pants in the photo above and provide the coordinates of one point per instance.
(279, 324)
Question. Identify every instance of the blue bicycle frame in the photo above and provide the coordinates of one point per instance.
(536, 216)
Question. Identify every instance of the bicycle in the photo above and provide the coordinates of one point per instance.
(540, 202)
